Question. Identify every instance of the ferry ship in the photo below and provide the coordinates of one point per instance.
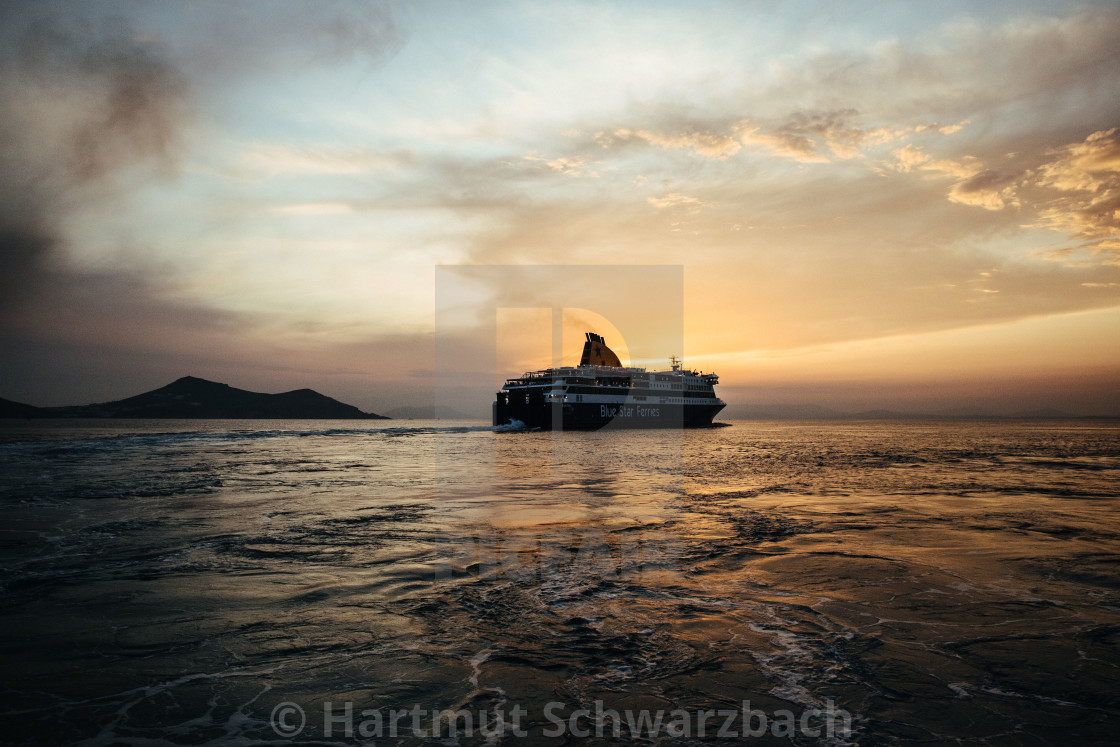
(600, 391)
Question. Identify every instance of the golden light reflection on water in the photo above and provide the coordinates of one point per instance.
(939, 583)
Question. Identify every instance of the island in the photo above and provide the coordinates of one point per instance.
(192, 397)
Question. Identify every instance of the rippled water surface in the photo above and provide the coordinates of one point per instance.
(184, 582)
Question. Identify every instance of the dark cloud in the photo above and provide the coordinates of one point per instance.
(243, 38)
(92, 104)
(82, 106)
(987, 189)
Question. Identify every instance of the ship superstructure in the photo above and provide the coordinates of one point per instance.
(600, 391)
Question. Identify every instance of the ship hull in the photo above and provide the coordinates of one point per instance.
(536, 414)
(602, 393)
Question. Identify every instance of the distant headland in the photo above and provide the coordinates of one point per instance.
(192, 397)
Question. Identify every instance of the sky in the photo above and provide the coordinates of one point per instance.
(906, 205)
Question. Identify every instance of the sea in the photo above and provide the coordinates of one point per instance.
(237, 582)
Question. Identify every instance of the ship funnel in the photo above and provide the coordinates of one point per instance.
(596, 353)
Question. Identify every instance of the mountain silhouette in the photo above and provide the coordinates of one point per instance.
(192, 397)
(9, 409)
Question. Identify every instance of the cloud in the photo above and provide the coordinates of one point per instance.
(573, 166)
(92, 108)
(911, 157)
(1075, 188)
(799, 138)
(804, 136)
(804, 133)
(942, 129)
(1109, 250)
(965, 69)
(788, 144)
(844, 105)
(906, 246)
(315, 208)
(1088, 166)
(271, 159)
(674, 199)
(84, 109)
(238, 39)
(704, 143)
(1087, 176)
(975, 185)
(987, 189)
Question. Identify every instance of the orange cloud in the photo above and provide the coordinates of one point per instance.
(788, 144)
(708, 144)
(976, 185)
(575, 166)
(1088, 175)
(1088, 166)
